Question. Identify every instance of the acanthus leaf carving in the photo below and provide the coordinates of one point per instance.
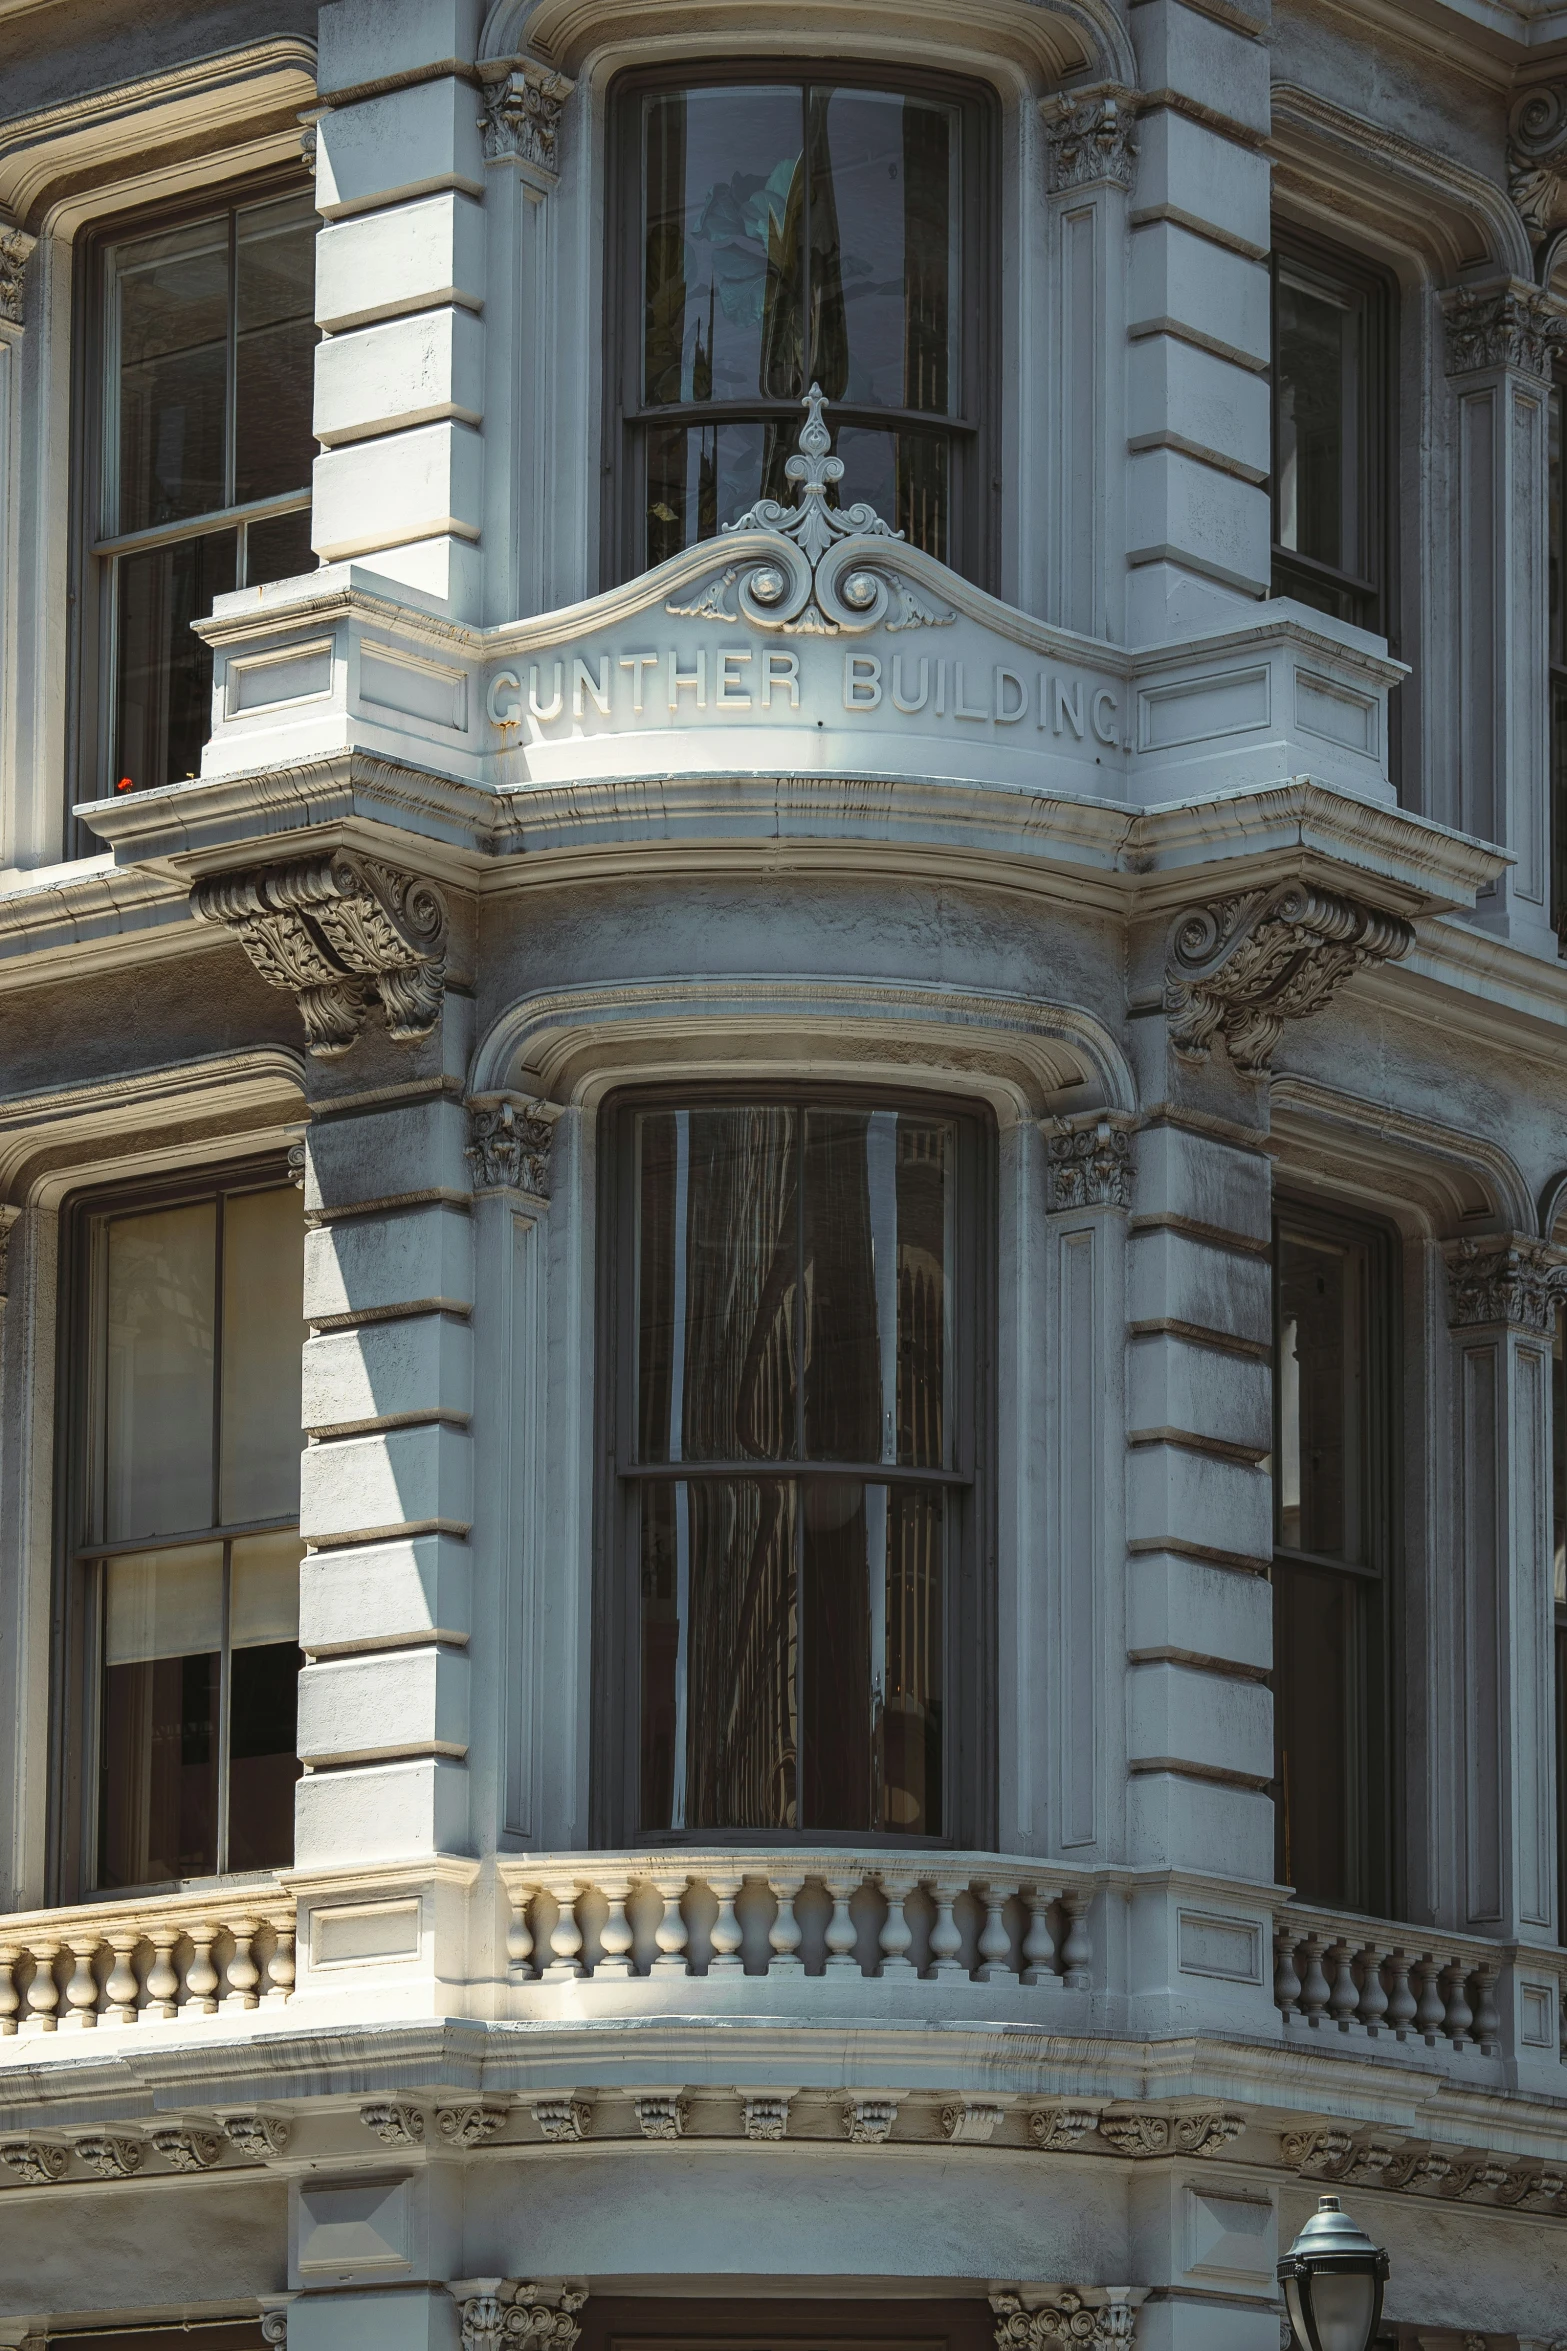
(520, 122)
(1512, 326)
(1136, 2134)
(394, 2123)
(16, 248)
(38, 2163)
(469, 2124)
(1207, 2134)
(815, 580)
(1316, 2155)
(766, 2118)
(1090, 1162)
(1240, 967)
(509, 1143)
(1090, 137)
(110, 2154)
(1537, 160)
(1070, 2318)
(1053, 2128)
(261, 2135)
(1516, 1281)
(188, 2148)
(515, 2314)
(563, 2119)
(333, 930)
(661, 2117)
(867, 2122)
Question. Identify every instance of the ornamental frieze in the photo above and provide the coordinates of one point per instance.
(335, 932)
(1239, 968)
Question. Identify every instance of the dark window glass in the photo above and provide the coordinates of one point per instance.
(1331, 434)
(1331, 1499)
(206, 453)
(794, 1292)
(792, 233)
(1556, 492)
(192, 1550)
(1559, 1584)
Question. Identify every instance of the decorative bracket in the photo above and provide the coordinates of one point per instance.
(331, 931)
(1070, 2318)
(521, 120)
(814, 581)
(1090, 1164)
(1241, 967)
(1517, 1281)
(1537, 161)
(1512, 326)
(509, 1143)
(501, 2314)
(15, 251)
(1090, 136)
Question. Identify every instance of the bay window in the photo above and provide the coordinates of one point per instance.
(183, 1532)
(797, 1514)
(787, 230)
(1332, 433)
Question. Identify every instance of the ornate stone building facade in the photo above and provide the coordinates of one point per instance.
(783, 1169)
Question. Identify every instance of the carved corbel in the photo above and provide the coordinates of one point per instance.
(1090, 1161)
(1515, 1281)
(1513, 326)
(37, 2163)
(16, 248)
(499, 2313)
(394, 2123)
(509, 1143)
(1090, 138)
(1069, 2318)
(1537, 161)
(333, 931)
(1240, 967)
(520, 122)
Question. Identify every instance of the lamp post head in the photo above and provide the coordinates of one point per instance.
(1333, 2277)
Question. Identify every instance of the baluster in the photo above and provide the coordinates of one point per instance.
(670, 1934)
(242, 1973)
(163, 1983)
(1345, 1997)
(615, 1935)
(1373, 1996)
(10, 1997)
(1286, 1983)
(946, 1937)
(1432, 2009)
(842, 1934)
(565, 1937)
(81, 1991)
(43, 1993)
(1401, 2005)
(1077, 1949)
(1460, 2016)
(786, 1934)
(201, 1977)
(280, 1967)
(122, 1987)
(520, 1944)
(726, 1934)
(1039, 1944)
(1487, 2021)
(1314, 1987)
(896, 1932)
(995, 1942)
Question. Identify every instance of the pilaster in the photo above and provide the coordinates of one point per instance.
(1501, 1304)
(1498, 358)
(1091, 151)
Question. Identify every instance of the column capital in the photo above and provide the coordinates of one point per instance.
(1512, 1280)
(1241, 967)
(509, 1143)
(1505, 325)
(1090, 137)
(523, 102)
(1090, 1163)
(16, 248)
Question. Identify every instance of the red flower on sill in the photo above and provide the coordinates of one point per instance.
(126, 784)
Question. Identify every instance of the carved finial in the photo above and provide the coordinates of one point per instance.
(333, 930)
(1239, 968)
(813, 585)
(1090, 137)
(521, 121)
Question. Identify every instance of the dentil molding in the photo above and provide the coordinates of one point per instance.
(333, 932)
(1090, 1161)
(520, 124)
(509, 1143)
(1513, 326)
(1516, 1281)
(1090, 139)
(1239, 968)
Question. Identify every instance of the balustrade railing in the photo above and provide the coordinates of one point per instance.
(974, 1917)
(160, 1959)
(1385, 1982)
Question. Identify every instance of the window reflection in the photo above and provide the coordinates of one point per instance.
(1331, 430)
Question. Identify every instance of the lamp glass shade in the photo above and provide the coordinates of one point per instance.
(1343, 2310)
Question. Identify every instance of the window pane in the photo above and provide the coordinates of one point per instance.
(158, 1765)
(700, 478)
(723, 230)
(1317, 398)
(171, 303)
(716, 1283)
(904, 476)
(263, 1334)
(876, 1246)
(884, 280)
(278, 549)
(263, 1700)
(164, 689)
(1321, 1695)
(1321, 1397)
(275, 251)
(159, 1386)
(719, 1637)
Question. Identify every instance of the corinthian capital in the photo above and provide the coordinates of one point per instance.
(1090, 1163)
(1090, 137)
(15, 248)
(509, 1143)
(521, 120)
(1510, 326)
(1516, 1281)
(1239, 968)
(334, 932)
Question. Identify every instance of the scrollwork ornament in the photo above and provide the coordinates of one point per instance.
(274, 2327)
(1136, 2134)
(394, 2123)
(1207, 2134)
(469, 2125)
(111, 2155)
(37, 2163)
(1537, 160)
(1515, 1282)
(1056, 2127)
(1069, 2319)
(188, 2149)
(1317, 2155)
(1239, 968)
(815, 578)
(1090, 137)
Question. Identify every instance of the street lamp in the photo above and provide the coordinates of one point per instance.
(1333, 2278)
